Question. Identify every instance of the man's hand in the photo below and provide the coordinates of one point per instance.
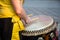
(28, 20)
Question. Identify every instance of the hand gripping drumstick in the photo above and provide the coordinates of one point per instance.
(34, 19)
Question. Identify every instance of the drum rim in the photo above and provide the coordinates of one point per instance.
(51, 23)
(39, 32)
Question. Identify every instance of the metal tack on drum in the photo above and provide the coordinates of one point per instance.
(52, 35)
(40, 38)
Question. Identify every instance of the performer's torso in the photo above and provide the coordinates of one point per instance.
(6, 8)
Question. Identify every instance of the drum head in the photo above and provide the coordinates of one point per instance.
(42, 23)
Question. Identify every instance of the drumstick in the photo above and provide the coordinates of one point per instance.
(30, 15)
(34, 19)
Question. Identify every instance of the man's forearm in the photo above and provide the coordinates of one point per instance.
(19, 9)
(23, 15)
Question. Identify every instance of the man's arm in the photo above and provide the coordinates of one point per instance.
(17, 4)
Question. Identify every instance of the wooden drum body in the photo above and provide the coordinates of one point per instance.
(43, 29)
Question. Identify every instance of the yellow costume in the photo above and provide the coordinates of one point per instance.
(6, 11)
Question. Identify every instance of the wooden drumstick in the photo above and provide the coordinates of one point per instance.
(30, 15)
(34, 19)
